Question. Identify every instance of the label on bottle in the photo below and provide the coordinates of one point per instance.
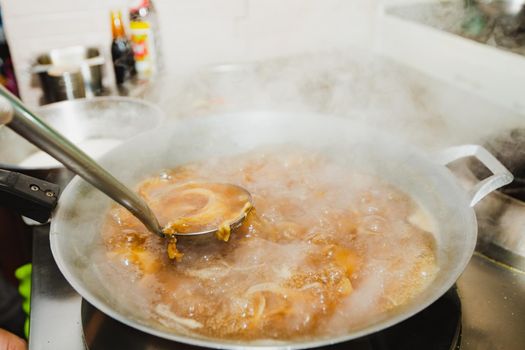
(143, 48)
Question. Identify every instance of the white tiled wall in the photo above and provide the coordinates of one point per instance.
(33, 27)
(194, 32)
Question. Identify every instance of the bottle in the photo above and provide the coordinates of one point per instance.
(121, 50)
(144, 38)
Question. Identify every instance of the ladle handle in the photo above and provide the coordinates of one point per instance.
(25, 123)
(500, 175)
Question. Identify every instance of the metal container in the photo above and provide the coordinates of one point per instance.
(70, 73)
(66, 84)
(75, 227)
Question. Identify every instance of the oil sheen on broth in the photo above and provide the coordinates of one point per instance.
(324, 250)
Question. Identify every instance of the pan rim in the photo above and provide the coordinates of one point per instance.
(234, 345)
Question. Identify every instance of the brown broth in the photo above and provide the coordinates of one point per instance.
(324, 250)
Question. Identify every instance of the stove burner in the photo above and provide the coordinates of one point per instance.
(438, 327)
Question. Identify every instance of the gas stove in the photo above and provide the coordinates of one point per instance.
(485, 309)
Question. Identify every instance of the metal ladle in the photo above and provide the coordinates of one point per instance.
(15, 115)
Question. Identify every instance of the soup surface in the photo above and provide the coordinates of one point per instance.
(324, 250)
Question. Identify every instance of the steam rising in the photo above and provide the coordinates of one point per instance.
(353, 83)
(356, 84)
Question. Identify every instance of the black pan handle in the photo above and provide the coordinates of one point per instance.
(29, 196)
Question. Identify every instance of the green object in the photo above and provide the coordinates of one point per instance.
(23, 274)
(474, 25)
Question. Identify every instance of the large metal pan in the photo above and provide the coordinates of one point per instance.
(75, 229)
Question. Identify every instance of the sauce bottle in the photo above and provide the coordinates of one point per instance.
(121, 50)
(144, 38)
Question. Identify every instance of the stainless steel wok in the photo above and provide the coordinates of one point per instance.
(75, 230)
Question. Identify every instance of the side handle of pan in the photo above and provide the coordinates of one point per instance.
(500, 175)
(27, 195)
